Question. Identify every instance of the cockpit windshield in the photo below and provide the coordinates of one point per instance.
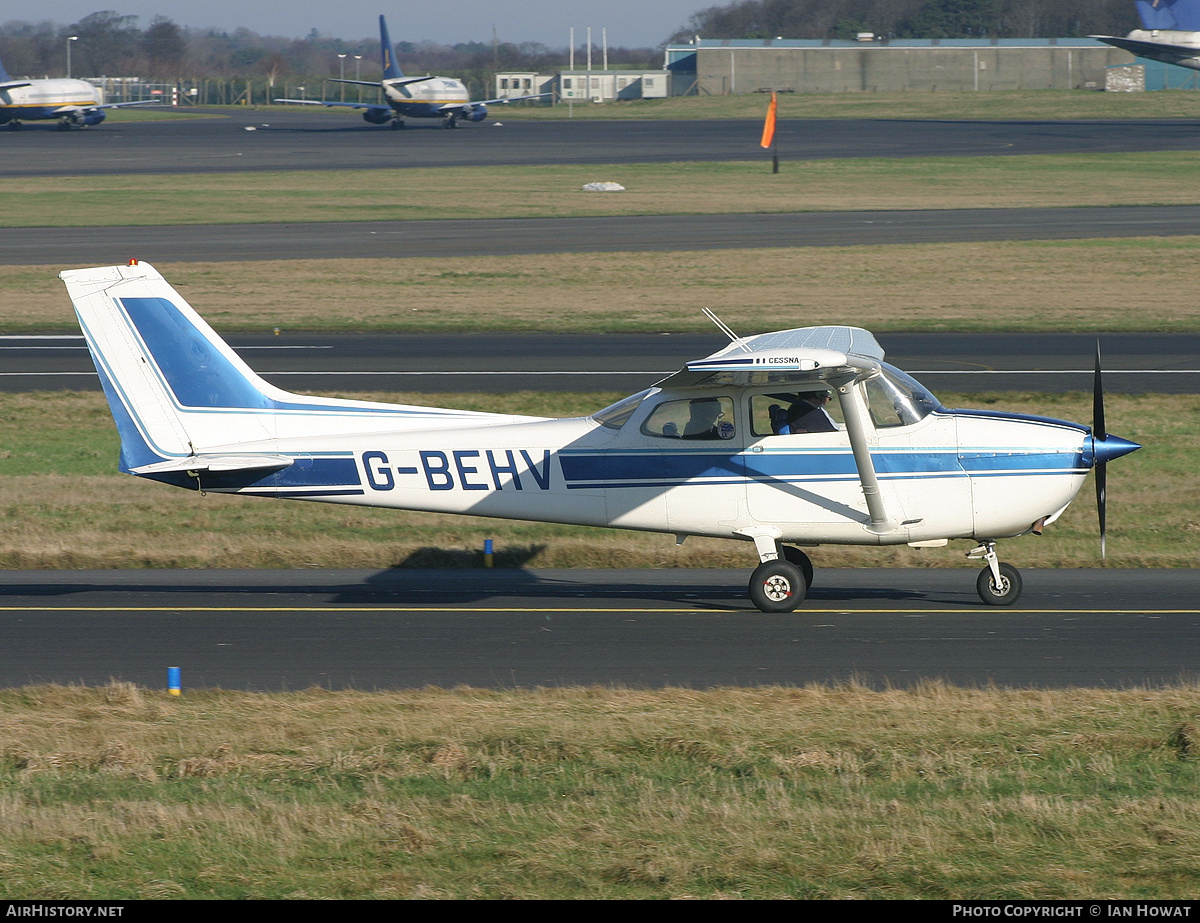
(897, 399)
(615, 415)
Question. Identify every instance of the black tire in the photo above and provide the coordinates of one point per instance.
(1006, 594)
(801, 560)
(777, 586)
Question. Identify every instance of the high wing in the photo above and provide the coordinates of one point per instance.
(817, 355)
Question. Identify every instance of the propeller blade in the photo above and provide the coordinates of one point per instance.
(1099, 434)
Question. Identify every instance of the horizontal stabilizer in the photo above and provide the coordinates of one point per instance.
(216, 464)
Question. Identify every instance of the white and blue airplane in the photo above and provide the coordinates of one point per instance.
(1170, 33)
(783, 440)
(444, 98)
(72, 103)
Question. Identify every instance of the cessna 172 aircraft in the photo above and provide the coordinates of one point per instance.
(744, 444)
(427, 97)
(74, 103)
(1171, 33)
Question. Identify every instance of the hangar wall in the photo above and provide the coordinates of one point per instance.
(717, 68)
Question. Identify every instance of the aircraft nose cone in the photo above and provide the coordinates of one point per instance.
(1110, 447)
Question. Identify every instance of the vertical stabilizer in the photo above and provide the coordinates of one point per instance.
(1173, 15)
(174, 387)
(390, 68)
(3, 72)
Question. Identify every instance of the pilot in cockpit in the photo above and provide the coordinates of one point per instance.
(805, 413)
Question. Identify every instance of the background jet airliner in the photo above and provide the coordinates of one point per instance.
(744, 444)
(74, 103)
(1171, 34)
(442, 98)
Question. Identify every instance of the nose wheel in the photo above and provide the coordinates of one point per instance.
(998, 584)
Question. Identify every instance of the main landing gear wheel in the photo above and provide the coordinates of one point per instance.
(801, 560)
(1006, 593)
(777, 586)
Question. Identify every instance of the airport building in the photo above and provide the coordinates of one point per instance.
(716, 67)
(723, 67)
(583, 85)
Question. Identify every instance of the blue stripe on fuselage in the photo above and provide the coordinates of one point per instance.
(670, 469)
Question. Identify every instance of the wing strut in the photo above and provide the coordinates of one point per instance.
(854, 414)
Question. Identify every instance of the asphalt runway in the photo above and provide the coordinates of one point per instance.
(295, 138)
(71, 248)
(1133, 363)
(288, 630)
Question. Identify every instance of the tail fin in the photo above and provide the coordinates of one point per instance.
(1180, 15)
(3, 73)
(174, 387)
(184, 401)
(387, 49)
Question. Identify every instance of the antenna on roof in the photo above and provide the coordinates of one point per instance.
(724, 328)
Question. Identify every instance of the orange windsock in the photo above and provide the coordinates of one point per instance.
(769, 125)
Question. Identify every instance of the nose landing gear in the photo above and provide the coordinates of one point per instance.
(998, 584)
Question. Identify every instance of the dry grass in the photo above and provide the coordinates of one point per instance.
(414, 194)
(1054, 105)
(1023, 105)
(1075, 286)
(817, 792)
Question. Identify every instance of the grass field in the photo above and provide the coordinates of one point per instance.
(833, 793)
(1071, 286)
(423, 193)
(1022, 105)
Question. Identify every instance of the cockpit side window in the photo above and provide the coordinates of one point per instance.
(700, 418)
(790, 413)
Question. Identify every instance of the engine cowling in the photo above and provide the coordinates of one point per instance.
(377, 116)
(79, 119)
(476, 114)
